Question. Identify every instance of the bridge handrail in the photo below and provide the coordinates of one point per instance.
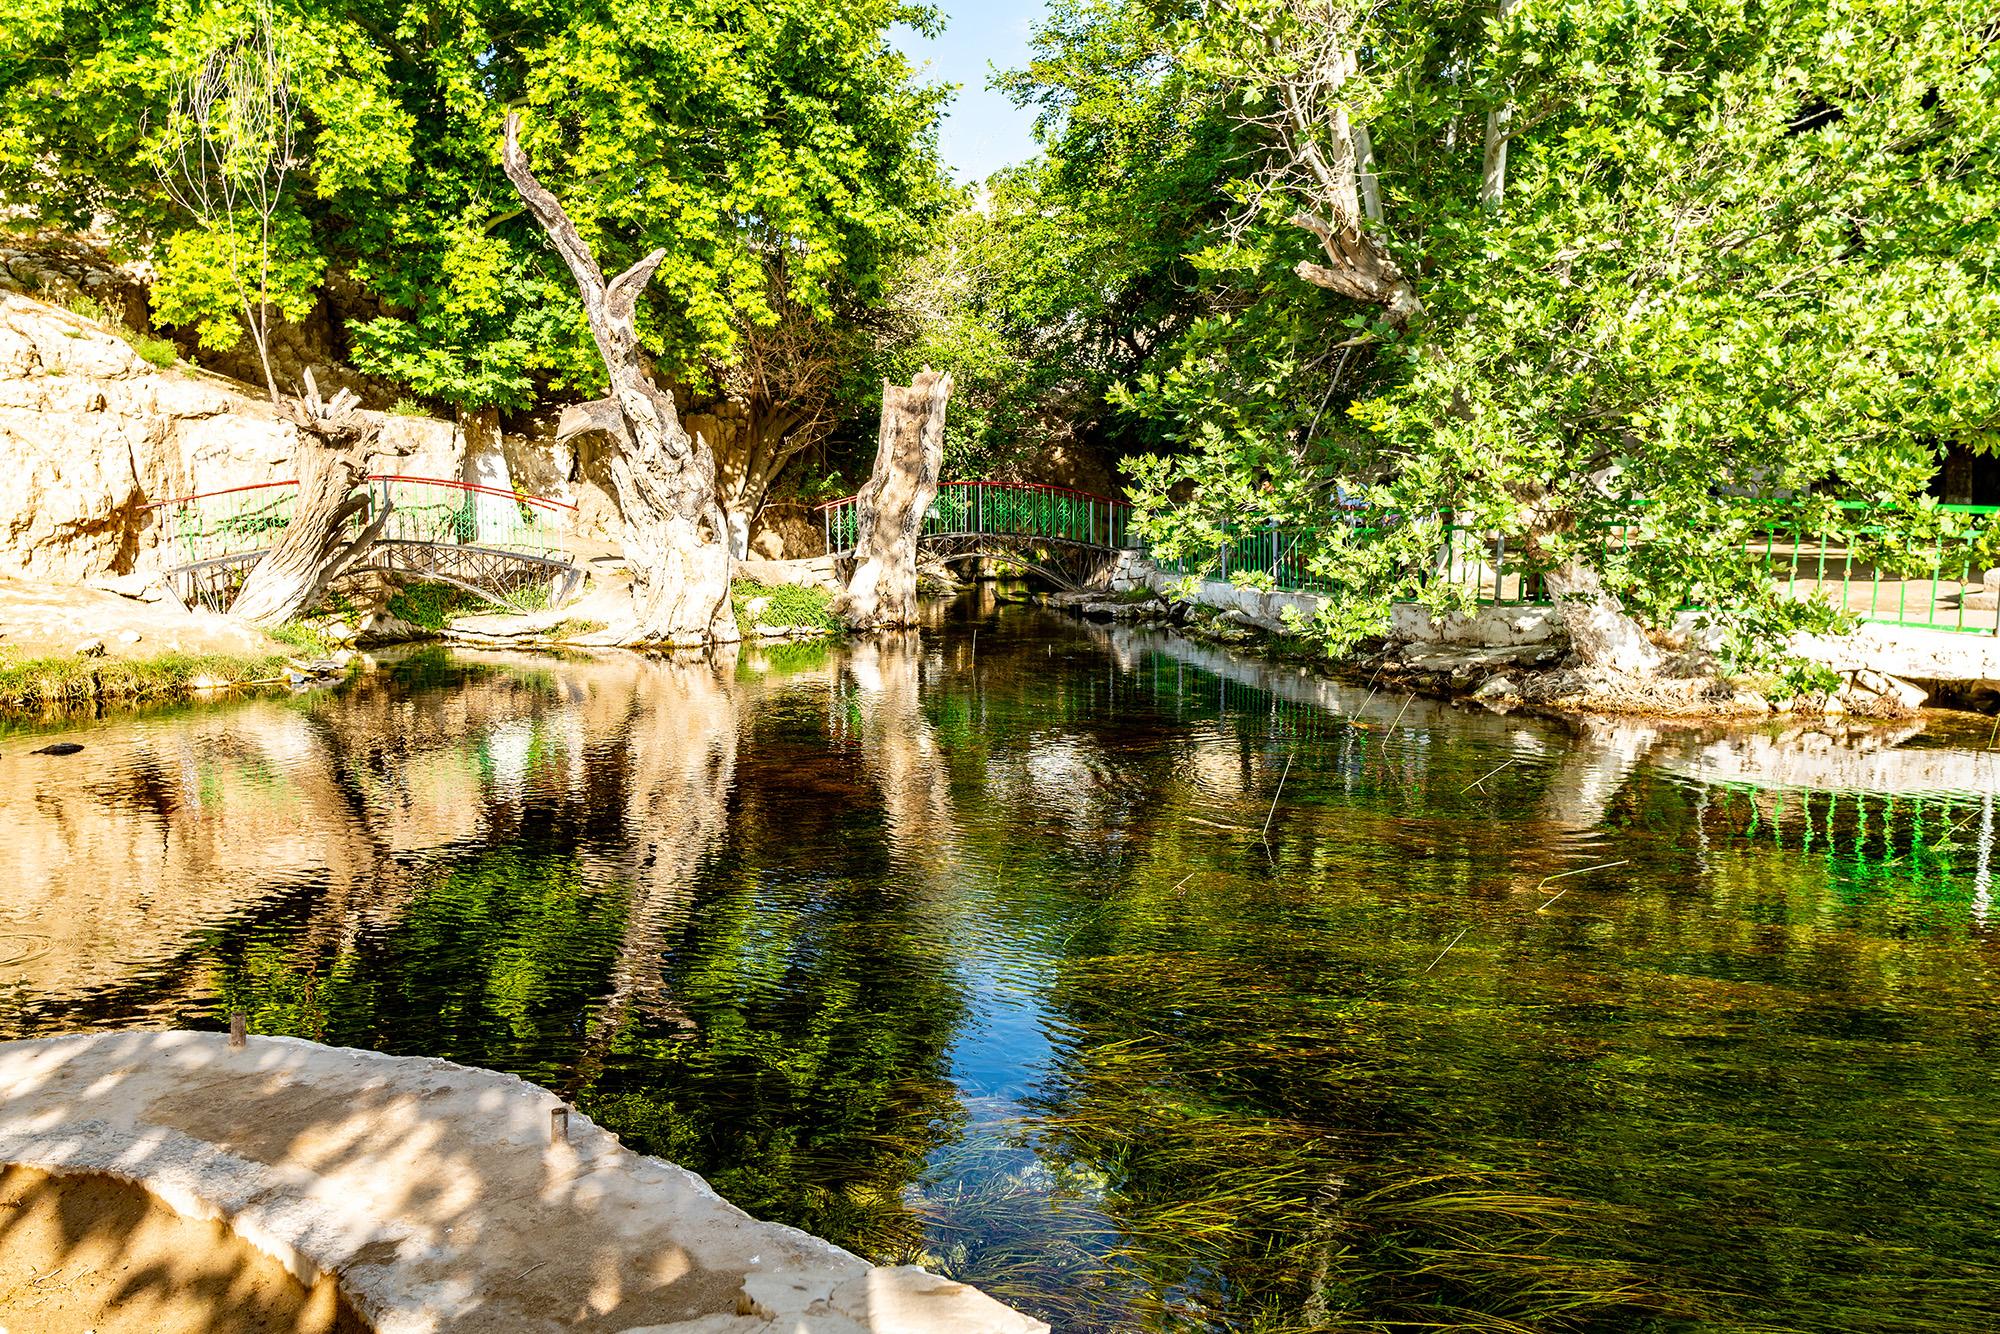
(477, 488)
(1034, 512)
(989, 481)
(210, 495)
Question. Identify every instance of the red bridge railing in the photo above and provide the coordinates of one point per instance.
(443, 511)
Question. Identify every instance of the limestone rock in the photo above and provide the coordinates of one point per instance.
(1889, 687)
(436, 1195)
(91, 434)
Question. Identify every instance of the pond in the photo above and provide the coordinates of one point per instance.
(1145, 985)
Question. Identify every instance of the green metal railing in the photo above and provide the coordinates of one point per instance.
(1838, 563)
(1019, 510)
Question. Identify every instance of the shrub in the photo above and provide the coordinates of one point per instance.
(529, 598)
(430, 605)
(91, 309)
(158, 351)
(303, 637)
(797, 605)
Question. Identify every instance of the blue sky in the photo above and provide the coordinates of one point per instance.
(983, 131)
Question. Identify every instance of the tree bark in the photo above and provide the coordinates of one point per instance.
(747, 476)
(1601, 633)
(1493, 166)
(882, 591)
(1342, 192)
(315, 549)
(675, 533)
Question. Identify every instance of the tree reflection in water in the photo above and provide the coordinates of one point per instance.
(985, 957)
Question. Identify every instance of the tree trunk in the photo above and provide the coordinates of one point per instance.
(1340, 163)
(747, 476)
(1493, 166)
(675, 533)
(882, 591)
(315, 549)
(1601, 633)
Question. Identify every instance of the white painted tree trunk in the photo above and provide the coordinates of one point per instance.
(882, 590)
(675, 533)
(738, 518)
(1601, 633)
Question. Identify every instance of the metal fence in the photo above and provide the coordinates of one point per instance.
(1837, 562)
(1029, 511)
(424, 509)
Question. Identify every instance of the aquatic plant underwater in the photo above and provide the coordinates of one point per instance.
(1141, 990)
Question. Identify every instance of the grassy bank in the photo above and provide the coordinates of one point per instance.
(800, 606)
(70, 680)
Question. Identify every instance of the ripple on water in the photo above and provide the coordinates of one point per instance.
(1150, 987)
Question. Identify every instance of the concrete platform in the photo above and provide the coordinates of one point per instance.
(438, 1196)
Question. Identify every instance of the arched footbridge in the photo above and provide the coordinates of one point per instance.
(1069, 537)
(500, 545)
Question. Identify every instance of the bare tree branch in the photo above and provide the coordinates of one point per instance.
(228, 144)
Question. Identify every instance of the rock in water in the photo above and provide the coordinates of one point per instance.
(60, 748)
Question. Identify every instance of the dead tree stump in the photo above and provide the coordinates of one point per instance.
(675, 532)
(882, 590)
(315, 549)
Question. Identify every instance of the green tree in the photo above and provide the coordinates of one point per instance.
(729, 132)
(1516, 263)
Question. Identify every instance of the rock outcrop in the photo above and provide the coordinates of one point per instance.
(443, 1197)
(91, 434)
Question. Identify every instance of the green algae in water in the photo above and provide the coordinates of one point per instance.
(986, 959)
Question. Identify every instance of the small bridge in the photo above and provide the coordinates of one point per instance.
(499, 545)
(1070, 538)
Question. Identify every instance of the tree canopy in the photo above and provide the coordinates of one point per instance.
(729, 132)
(1739, 251)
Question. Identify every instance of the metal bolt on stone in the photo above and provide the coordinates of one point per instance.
(558, 1124)
(238, 1029)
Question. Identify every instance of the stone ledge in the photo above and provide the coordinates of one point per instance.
(439, 1197)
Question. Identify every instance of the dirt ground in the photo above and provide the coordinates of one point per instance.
(42, 619)
(90, 1255)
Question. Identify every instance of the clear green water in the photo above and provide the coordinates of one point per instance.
(1148, 988)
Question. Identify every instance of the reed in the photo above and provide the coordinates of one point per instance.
(68, 681)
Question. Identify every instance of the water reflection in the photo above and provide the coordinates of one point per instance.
(1151, 987)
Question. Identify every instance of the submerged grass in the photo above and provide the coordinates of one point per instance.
(70, 680)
